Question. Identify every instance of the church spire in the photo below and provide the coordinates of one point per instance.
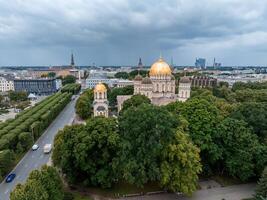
(140, 65)
(72, 61)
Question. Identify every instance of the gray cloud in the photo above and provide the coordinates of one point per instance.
(43, 32)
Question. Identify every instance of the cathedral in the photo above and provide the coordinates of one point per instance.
(100, 103)
(159, 87)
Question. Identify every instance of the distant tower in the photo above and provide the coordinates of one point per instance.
(100, 100)
(214, 63)
(184, 88)
(140, 65)
(138, 78)
(72, 64)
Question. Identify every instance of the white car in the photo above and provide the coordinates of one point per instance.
(47, 148)
(35, 147)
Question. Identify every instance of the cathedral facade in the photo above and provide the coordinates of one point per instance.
(159, 86)
(100, 104)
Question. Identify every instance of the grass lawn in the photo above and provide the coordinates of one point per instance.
(119, 190)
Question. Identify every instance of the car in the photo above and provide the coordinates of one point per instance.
(10, 178)
(47, 148)
(35, 147)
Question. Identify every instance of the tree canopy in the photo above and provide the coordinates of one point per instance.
(203, 118)
(261, 191)
(84, 105)
(151, 148)
(134, 101)
(255, 114)
(44, 184)
(85, 153)
(239, 149)
(123, 75)
(17, 96)
(112, 95)
(68, 79)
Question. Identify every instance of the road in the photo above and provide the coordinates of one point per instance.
(234, 192)
(35, 159)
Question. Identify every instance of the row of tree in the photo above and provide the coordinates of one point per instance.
(73, 88)
(17, 135)
(131, 75)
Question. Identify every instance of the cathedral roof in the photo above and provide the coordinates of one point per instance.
(100, 87)
(146, 80)
(138, 77)
(101, 108)
(160, 67)
(185, 79)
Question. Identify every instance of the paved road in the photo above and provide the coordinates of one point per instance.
(35, 159)
(235, 192)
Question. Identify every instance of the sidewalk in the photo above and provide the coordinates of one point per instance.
(235, 192)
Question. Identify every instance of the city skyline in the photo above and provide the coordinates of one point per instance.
(119, 32)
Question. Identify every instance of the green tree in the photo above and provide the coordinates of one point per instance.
(134, 101)
(249, 95)
(17, 96)
(181, 165)
(249, 85)
(123, 75)
(26, 140)
(7, 159)
(68, 79)
(44, 184)
(133, 73)
(30, 190)
(51, 74)
(239, 147)
(112, 96)
(203, 118)
(84, 105)
(85, 153)
(261, 191)
(145, 130)
(255, 114)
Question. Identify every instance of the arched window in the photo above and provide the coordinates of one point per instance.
(182, 94)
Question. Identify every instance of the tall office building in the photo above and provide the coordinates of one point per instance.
(200, 63)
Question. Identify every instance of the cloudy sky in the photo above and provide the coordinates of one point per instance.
(118, 32)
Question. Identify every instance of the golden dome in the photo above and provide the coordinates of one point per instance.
(100, 87)
(160, 68)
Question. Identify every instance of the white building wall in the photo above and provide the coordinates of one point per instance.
(6, 85)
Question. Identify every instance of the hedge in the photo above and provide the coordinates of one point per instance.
(17, 135)
(73, 88)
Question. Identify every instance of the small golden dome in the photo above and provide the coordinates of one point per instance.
(160, 68)
(100, 87)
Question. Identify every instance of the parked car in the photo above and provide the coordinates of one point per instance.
(35, 147)
(10, 177)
